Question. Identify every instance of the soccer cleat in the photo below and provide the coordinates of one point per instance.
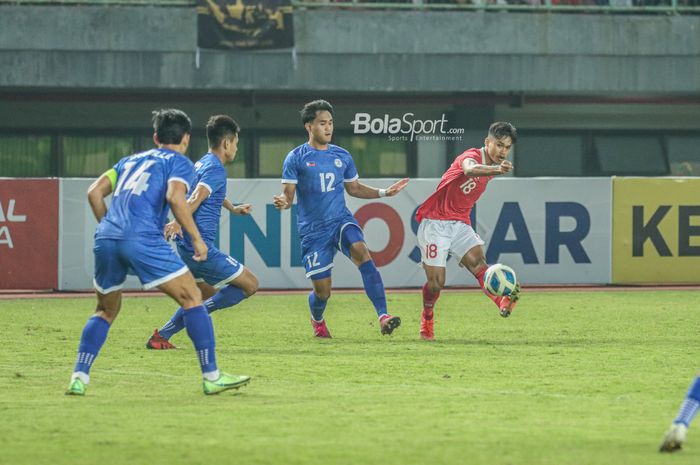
(76, 388)
(508, 302)
(674, 438)
(426, 326)
(224, 383)
(158, 342)
(320, 329)
(389, 323)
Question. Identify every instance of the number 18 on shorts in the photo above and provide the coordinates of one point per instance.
(440, 238)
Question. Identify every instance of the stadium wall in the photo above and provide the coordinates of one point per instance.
(551, 230)
(558, 233)
(85, 47)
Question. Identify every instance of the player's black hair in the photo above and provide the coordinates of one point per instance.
(220, 127)
(170, 125)
(501, 129)
(308, 113)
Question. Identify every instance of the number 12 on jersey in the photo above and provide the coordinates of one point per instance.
(327, 181)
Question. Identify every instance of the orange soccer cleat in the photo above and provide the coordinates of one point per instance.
(507, 302)
(158, 342)
(426, 326)
(320, 329)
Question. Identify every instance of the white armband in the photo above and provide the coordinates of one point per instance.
(381, 192)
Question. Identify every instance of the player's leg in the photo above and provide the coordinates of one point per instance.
(157, 265)
(201, 331)
(318, 298)
(689, 409)
(160, 339)
(110, 274)
(234, 290)
(352, 244)
(317, 256)
(434, 244)
(468, 245)
(435, 281)
(235, 283)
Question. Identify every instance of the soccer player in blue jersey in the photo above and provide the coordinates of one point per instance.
(675, 436)
(129, 238)
(219, 271)
(321, 173)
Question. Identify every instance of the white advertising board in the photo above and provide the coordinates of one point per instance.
(550, 230)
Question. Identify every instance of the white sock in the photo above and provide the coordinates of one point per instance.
(84, 377)
(211, 375)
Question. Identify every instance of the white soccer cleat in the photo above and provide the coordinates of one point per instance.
(674, 438)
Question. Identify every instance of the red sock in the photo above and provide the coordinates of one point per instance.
(429, 300)
(480, 277)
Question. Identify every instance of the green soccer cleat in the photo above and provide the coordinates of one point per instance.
(224, 383)
(76, 388)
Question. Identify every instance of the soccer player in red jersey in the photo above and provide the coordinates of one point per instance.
(445, 227)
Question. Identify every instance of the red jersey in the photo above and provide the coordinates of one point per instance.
(456, 194)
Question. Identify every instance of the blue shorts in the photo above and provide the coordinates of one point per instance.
(319, 249)
(217, 270)
(151, 259)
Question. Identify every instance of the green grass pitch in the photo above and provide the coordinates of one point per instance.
(571, 378)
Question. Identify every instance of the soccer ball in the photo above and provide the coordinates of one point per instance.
(500, 279)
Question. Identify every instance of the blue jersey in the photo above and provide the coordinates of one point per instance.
(320, 176)
(139, 207)
(209, 172)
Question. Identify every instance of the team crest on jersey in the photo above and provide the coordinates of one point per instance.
(310, 163)
(338, 163)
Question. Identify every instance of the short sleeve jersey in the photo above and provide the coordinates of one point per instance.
(456, 194)
(139, 207)
(320, 176)
(210, 173)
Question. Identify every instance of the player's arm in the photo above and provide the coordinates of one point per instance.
(99, 190)
(471, 168)
(286, 198)
(240, 209)
(200, 194)
(363, 191)
(183, 214)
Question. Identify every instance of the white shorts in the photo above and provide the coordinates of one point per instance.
(439, 238)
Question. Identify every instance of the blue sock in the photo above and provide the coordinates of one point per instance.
(317, 306)
(374, 286)
(91, 341)
(174, 325)
(201, 331)
(226, 297)
(690, 405)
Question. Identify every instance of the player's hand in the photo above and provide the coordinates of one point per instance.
(200, 250)
(280, 202)
(396, 187)
(242, 209)
(172, 230)
(506, 167)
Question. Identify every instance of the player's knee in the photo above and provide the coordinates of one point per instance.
(323, 294)
(436, 281)
(189, 296)
(436, 285)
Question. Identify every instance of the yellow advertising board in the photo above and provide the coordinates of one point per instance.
(656, 230)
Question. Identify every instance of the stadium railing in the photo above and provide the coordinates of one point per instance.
(607, 6)
(572, 6)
